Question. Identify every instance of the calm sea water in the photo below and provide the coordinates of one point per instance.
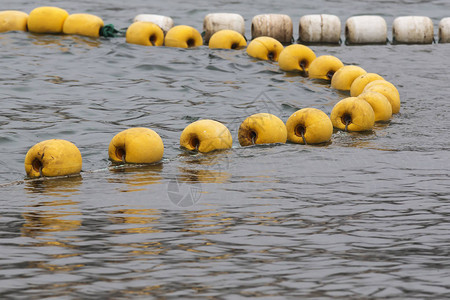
(365, 217)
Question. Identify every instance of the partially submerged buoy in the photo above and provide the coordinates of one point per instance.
(444, 30)
(324, 67)
(262, 128)
(361, 81)
(380, 105)
(13, 20)
(215, 22)
(353, 114)
(183, 36)
(365, 30)
(136, 145)
(344, 77)
(145, 33)
(83, 24)
(309, 126)
(52, 158)
(265, 48)
(296, 58)
(206, 136)
(227, 39)
(388, 90)
(277, 26)
(413, 30)
(164, 22)
(321, 29)
(47, 19)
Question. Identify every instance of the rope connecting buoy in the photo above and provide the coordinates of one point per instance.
(344, 77)
(388, 90)
(361, 81)
(276, 26)
(145, 33)
(136, 145)
(165, 23)
(296, 58)
(380, 105)
(413, 30)
(353, 114)
(265, 48)
(53, 158)
(324, 67)
(444, 30)
(324, 29)
(365, 30)
(227, 39)
(213, 23)
(206, 136)
(13, 20)
(262, 128)
(47, 19)
(309, 126)
(183, 36)
(83, 24)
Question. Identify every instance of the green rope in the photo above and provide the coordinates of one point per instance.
(108, 31)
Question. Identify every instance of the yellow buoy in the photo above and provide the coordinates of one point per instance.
(136, 145)
(145, 33)
(47, 19)
(183, 36)
(53, 158)
(343, 78)
(388, 90)
(262, 128)
(361, 81)
(380, 105)
(83, 24)
(13, 20)
(265, 48)
(206, 136)
(227, 39)
(353, 114)
(324, 67)
(296, 58)
(309, 126)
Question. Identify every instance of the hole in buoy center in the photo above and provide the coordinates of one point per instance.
(194, 142)
(36, 165)
(303, 64)
(271, 55)
(346, 119)
(120, 153)
(253, 136)
(152, 39)
(190, 43)
(234, 45)
(330, 74)
(300, 130)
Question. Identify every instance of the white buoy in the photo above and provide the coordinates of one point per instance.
(365, 30)
(444, 30)
(320, 29)
(276, 26)
(219, 21)
(165, 23)
(413, 30)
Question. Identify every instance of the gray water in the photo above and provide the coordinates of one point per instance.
(365, 217)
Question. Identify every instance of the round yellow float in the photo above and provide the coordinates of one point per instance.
(183, 36)
(206, 136)
(265, 48)
(388, 90)
(83, 24)
(145, 33)
(296, 58)
(227, 39)
(380, 105)
(47, 19)
(136, 145)
(361, 81)
(309, 126)
(262, 128)
(13, 20)
(53, 158)
(353, 114)
(324, 67)
(344, 77)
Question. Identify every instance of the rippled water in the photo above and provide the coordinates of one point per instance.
(366, 216)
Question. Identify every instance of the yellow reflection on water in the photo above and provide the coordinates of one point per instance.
(137, 177)
(206, 168)
(138, 217)
(56, 187)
